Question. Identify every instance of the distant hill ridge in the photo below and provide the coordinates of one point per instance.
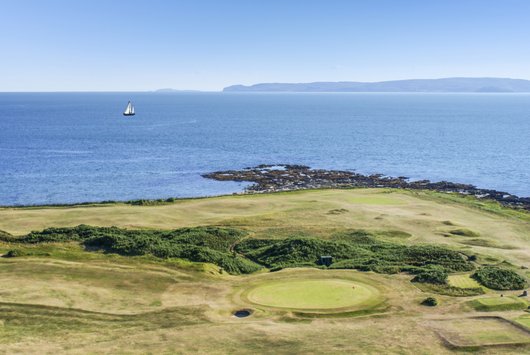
(412, 85)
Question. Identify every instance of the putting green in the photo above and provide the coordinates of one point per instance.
(319, 294)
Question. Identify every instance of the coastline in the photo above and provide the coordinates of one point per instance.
(285, 177)
(274, 178)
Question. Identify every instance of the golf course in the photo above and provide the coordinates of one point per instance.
(418, 269)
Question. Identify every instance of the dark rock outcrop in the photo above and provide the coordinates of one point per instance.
(273, 178)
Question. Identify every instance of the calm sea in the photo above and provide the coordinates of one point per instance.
(74, 147)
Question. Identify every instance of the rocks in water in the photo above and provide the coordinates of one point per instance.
(286, 177)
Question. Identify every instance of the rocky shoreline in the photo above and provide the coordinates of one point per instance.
(285, 177)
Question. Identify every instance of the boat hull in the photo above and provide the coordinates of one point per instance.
(128, 114)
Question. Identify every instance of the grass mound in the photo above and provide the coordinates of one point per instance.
(485, 243)
(354, 250)
(491, 304)
(449, 290)
(463, 232)
(499, 279)
(200, 244)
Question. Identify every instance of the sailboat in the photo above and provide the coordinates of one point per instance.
(129, 110)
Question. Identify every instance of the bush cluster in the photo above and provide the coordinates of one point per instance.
(227, 249)
(13, 253)
(200, 244)
(432, 276)
(430, 301)
(448, 290)
(356, 251)
(499, 279)
(160, 201)
(4, 236)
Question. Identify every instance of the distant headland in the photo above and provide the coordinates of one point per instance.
(447, 85)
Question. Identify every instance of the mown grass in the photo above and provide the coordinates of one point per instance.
(486, 205)
(311, 292)
(376, 200)
(325, 294)
(524, 321)
(463, 281)
(506, 303)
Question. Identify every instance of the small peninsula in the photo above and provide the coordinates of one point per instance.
(288, 177)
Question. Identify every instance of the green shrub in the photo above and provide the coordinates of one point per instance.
(499, 279)
(430, 301)
(252, 244)
(307, 251)
(433, 276)
(449, 290)
(200, 244)
(5, 236)
(156, 202)
(13, 253)
(350, 250)
(353, 250)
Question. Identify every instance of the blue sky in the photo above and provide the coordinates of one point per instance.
(97, 45)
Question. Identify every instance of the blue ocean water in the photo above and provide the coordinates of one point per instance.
(74, 147)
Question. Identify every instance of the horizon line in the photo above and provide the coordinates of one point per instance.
(171, 90)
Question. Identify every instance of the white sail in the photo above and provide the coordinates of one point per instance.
(129, 110)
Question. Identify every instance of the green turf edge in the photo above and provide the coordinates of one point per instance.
(516, 305)
(379, 307)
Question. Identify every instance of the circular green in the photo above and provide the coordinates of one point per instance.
(323, 294)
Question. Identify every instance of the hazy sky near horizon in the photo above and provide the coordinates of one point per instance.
(102, 45)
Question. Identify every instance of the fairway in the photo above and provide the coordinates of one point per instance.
(498, 304)
(463, 281)
(325, 294)
(376, 200)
